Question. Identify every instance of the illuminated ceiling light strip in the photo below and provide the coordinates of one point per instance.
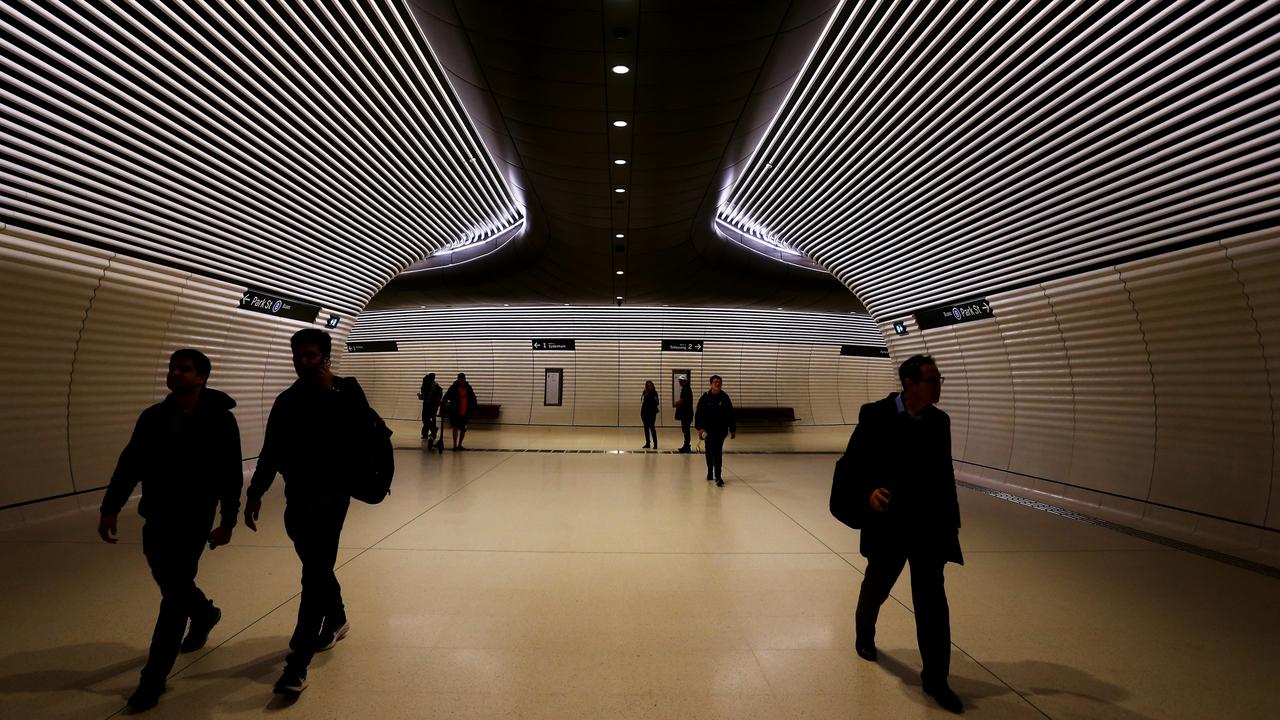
(327, 169)
(1077, 132)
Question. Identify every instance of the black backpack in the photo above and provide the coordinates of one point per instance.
(847, 503)
(373, 462)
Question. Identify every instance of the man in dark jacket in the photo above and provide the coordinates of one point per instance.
(186, 453)
(900, 455)
(684, 411)
(460, 403)
(430, 394)
(309, 439)
(713, 421)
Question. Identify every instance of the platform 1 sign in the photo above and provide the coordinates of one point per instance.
(555, 344)
(682, 346)
(258, 301)
(870, 351)
(954, 314)
(373, 346)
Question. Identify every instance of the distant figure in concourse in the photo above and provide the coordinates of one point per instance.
(185, 451)
(713, 421)
(684, 412)
(460, 402)
(309, 438)
(430, 395)
(649, 413)
(900, 459)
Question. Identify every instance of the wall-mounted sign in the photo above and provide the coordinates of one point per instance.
(954, 313)
(681, 346)
(870, 351)
(900, 327)
(554, 344)
(258, 301)
(373, 346)
(332, 322)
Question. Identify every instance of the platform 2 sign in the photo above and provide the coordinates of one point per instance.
(554, 344)
(682, 346)
(258, 301)
(870, 351)
(373, 346)
(954, 314)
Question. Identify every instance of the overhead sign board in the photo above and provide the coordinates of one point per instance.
(554, 344)
(682, 346)
(373, 346)
(870, 351)
(954, 314)
(258, 301)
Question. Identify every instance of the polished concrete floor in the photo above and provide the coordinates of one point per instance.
(498, 584)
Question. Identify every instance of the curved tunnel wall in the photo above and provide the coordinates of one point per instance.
(1147, 390)
(769, 359)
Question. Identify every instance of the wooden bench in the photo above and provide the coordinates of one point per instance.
(763, 415)
(486, 413)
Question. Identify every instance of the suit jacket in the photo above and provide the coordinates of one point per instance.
(684, 411)
(911, 458)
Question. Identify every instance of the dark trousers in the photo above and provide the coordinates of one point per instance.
(650, 429)
(714, 445)
(173, 553)
(933, 618)
(315, 528)
(428, 423)
(684, 428)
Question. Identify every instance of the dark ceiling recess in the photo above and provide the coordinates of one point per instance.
(703, 82)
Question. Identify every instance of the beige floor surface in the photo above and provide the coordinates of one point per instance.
(623, 585)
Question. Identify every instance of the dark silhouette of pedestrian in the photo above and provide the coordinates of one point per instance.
(684, 412)
(714, 420)
(649, 413)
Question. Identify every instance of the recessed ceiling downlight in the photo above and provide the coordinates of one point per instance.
(620, 69)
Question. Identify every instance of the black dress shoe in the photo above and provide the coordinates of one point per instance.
(945, 697)
(719, 482)
(866, 651)
(146, 696)
(198, 634)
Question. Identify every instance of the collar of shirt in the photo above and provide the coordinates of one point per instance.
(902, 409)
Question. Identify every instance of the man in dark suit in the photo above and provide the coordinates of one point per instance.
(684, 412)
(901, 456)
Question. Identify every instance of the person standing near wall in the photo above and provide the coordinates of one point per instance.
(430, 394)
(186, 453)
(900, 459)
(460, 402)
(713, 421)
(684, 411)
(649, 413)
(309, 439)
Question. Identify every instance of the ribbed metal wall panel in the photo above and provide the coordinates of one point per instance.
(943, 346)
(1257, 263)
(595, 376)
(1213, 434)
(120, 360)
(851, 386)
(562, 414)
(515, 383)
(989, 386)
(47, 289)
(793, 381)
(1042, 405)
(641, 360)
(824, 385)
(758, 384)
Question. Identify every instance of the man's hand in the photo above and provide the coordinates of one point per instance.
(251, 510)
(107, 529)
(880, 499)
(219, 536)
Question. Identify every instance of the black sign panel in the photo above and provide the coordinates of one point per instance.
(864, 351)
(900, 327)
(681, 346)
(954, 314)
(554, 344)
(373, 346)
(258, 301)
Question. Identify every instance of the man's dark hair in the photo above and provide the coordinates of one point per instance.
(910, 368)
(462, 376)
(431, 376)
(714, 378)
(315, 336)
(199, 360)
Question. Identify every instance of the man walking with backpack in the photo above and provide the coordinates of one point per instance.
(314, 437)
(186, 453)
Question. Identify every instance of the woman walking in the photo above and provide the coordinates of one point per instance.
(649, 413)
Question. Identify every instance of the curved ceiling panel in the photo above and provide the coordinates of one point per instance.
(310, 149)
(537, 79)
(932, 153)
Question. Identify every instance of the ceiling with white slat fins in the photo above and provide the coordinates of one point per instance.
(937, 150)
(313, 150)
